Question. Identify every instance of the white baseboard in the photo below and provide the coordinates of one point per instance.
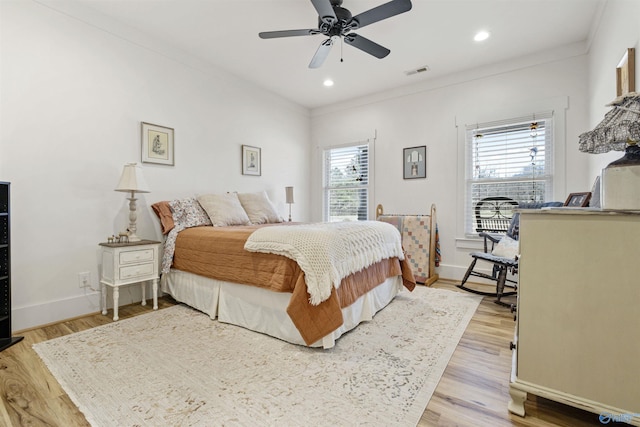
(456, 273)
(29, 317)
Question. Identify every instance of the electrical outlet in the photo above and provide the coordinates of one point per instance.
(84, 279)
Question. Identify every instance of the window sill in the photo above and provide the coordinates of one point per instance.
(475, 243)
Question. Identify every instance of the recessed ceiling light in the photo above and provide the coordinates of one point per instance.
(481, 35)
(328, 83)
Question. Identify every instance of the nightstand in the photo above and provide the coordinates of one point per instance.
(128, 263)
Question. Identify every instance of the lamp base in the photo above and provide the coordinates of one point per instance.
(621, 187)
(134, 238)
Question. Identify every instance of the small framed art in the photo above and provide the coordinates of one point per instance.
(414, 162)
(578, 200)
(626, 73)
(157, 144)
(251, 161)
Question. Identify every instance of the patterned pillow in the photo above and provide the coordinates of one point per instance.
(259, 208)
(224, 209)
(188, 213)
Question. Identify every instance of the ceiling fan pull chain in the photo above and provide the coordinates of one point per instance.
(341, 47)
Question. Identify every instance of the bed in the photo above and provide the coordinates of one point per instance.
(223, 269)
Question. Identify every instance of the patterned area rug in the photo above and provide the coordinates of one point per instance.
(177, 367)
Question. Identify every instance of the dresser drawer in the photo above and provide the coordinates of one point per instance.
(140, 255)
(137, 271)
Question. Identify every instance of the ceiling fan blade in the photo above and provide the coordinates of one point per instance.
(325, 11)
(384, 11)
(321, 54)
(287, 33)
(366, 45)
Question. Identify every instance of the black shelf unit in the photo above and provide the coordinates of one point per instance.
(6, 340)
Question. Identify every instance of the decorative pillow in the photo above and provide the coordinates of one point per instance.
(259, 208)
(224, 209)
(506, 248)
(188, 213)
(163, 211)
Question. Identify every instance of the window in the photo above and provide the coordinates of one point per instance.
(512, 158)
(347, 183)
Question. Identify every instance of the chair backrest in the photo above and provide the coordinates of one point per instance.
(494, 214)
(514, 226)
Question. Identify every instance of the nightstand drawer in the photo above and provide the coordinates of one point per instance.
(134, 271)
(142, 255)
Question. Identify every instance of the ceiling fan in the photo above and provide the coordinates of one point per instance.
(336, 21)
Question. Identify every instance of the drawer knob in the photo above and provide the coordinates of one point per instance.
(512, 346)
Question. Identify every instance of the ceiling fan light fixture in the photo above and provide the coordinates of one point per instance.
(481, 36)
(335, 21)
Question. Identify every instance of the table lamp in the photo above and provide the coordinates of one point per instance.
(132, 181)
(289, 199)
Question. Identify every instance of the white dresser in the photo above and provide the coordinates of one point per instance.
(577, 335)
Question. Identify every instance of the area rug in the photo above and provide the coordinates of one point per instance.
(177, 367)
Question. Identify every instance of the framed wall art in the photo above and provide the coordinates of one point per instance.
(414, 162)
(157, 144)
(251, 160)
(626, 73)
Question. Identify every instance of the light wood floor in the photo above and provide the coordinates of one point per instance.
(473, 391)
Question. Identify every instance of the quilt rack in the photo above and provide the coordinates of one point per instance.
(420, 241)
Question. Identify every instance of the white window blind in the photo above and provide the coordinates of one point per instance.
(510, 158)
(346, 182)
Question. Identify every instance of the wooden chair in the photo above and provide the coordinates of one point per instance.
(501, 265)
(493, 214)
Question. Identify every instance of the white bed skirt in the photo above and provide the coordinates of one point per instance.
(265, 311)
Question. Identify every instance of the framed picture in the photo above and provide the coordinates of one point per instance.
(251, 161)
(414, 162)
(578, 200)
(157, 144)
(626, 73)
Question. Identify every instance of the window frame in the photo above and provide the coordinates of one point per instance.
(502, 132)
(368, 187)
(472, 113)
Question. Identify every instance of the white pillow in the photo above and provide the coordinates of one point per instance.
(507, 248)
(224, 209)
(259, 208)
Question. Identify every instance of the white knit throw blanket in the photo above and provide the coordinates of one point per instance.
(329, 252)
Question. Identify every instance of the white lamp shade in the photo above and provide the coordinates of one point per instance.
(132, 180)
(289, 193)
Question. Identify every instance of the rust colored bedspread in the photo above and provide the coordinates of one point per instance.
(218, 253)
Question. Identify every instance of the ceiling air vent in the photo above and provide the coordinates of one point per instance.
(422, 69)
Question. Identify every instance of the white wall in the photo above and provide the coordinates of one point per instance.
(73, 97)
(435, 115)
(619, 30)
(581, 79)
